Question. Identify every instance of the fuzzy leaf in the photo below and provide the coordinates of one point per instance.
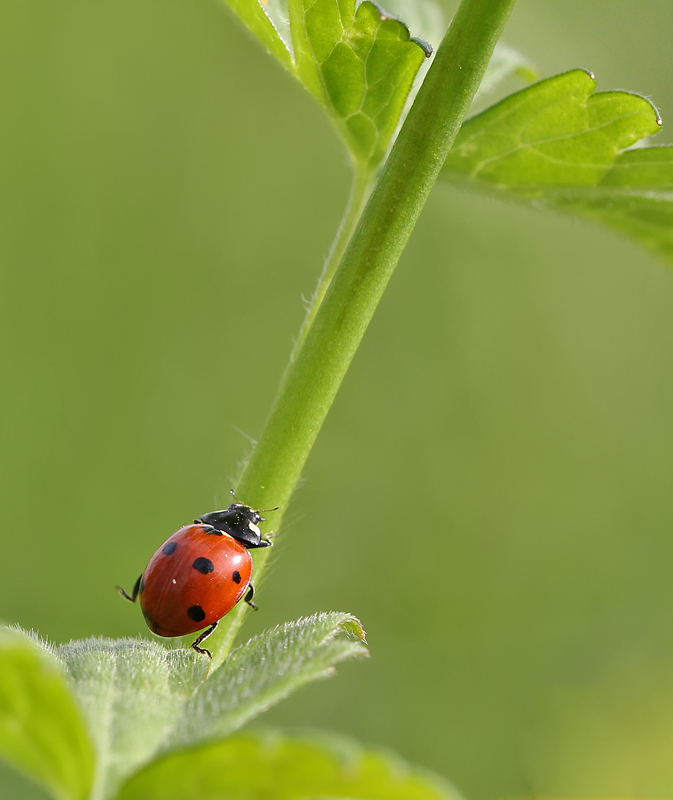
(131, 692)
(273, 766)
(558, 144)
(265, 670)
(42, 732)
(360, 63)
(141, 698)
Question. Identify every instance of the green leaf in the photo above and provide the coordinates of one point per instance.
(265, 670)
(557, 132)
(559, 144)
(141, 698)
(272, 766)
(266, 23)
(644, 215)
(360, 63)
(647, 167)
(42, 732)
(633, 198)
(358, 60)
(131, 692)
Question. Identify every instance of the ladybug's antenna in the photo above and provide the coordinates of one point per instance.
(263, 511)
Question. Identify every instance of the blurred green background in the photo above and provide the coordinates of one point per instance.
(491, 492)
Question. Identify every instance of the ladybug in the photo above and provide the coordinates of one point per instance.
(200, 573)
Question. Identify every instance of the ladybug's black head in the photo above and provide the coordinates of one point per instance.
(239, 521)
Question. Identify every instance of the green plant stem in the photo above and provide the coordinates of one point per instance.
(313, 378)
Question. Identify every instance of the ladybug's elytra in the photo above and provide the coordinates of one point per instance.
(200, 573)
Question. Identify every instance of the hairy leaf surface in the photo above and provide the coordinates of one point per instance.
(140, 698)
(265, 670)
(131, 692)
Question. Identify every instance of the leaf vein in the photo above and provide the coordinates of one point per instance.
(534, 145)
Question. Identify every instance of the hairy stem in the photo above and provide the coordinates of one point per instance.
(328, 346)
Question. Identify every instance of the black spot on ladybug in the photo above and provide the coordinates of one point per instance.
(169, 548)
(196, 613)
(142, 586)
(203, 565)
(236, 577)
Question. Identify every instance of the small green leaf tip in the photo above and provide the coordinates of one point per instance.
(561, 144)
(42, 732)
(272, 765)
(353, 626)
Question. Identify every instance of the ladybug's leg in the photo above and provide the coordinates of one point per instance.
(201, 637)
(131, 597)
(248, 597)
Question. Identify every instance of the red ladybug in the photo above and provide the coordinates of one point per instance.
(200, 573)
